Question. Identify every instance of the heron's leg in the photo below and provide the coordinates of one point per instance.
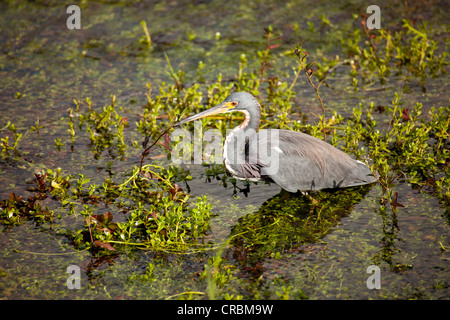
(245, 190)
(308, 196)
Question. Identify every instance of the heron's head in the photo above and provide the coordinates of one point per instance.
(241, 101)
(238, 101)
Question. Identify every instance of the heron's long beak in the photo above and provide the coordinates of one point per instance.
(221, 108)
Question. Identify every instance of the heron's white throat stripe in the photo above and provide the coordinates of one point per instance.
(246, 118)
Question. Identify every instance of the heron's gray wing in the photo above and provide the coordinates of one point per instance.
(297, 161)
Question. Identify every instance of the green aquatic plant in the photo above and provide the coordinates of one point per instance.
(285, 224)
(16, 209)
(308, 71)
(147, 39)
(10, 147)
(159, 215)
(101, 125)
(410, 53)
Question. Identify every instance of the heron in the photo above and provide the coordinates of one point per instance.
(293, 160)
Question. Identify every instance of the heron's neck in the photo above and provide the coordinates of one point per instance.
(251, 121)
(234, 151)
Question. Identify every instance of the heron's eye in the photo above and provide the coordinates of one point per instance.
(234, 103)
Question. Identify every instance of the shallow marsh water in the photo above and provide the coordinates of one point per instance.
(44, 67)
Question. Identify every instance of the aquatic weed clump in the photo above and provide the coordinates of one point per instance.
(155, 212)
(159, 215)
(408, 52)
(17, 209)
